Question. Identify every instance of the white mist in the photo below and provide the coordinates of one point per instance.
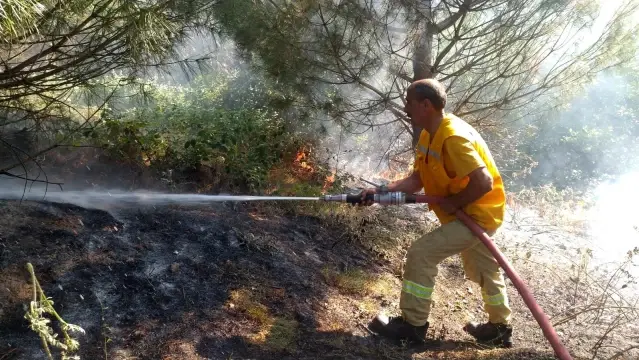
(614, 219)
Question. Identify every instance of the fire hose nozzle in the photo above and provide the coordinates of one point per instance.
(335, 198)
(389, 198)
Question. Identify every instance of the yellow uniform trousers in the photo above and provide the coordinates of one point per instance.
(479, 264)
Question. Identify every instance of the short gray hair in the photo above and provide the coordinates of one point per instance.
(432, 90)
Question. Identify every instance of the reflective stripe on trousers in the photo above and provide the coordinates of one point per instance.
(494, 300)
(417, 290)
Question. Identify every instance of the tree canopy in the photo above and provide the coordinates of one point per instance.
(56, 59)
(355, 58)
(63, 63)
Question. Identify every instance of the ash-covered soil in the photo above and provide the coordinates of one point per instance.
(222, 282)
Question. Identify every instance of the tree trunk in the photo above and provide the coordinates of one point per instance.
(423, 55)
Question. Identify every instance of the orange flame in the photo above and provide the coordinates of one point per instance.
(330, 179)
(301, 165)
(300, 155)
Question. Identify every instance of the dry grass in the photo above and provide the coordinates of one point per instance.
(182, 350)
(244, 301)
(561, 208)
(351, 282)
(277, 334)
(594, 307)
(282, 334)
(387, 231)
(358, 282)
(274, 333)
(368, 306)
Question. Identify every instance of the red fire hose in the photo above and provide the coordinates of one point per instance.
(538, 313)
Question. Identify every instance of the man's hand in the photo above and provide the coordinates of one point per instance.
(365, 192)
(410, 184)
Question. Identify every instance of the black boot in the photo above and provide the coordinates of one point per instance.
(397, 329)
(489, 333)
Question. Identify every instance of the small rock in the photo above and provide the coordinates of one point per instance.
(300, 237)
(303, 317)
(313, 257)
(175, 267)
(233, 242)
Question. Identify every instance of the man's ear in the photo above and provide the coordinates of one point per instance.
(427, 104)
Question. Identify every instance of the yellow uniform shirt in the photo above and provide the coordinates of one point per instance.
(460, 157)
(444, 163)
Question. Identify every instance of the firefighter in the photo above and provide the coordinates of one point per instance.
(452, 161)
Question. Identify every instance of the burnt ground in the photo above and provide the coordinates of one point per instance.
(228, 282)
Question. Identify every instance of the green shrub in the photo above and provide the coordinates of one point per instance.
(191, 130)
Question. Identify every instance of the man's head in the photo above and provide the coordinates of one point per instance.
(425, 101)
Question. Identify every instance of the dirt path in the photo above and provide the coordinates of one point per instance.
(222, 282)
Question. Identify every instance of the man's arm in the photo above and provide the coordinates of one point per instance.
(479, 184)
(410, 185)
(463, 160)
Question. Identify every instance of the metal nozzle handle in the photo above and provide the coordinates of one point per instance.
(390, 198)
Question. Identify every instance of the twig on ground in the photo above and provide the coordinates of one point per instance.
(366, 328)
(103, 329)
(6, 356)
(620, 353)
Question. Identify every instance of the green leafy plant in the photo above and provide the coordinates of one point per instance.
(204, 128)
(38, 307)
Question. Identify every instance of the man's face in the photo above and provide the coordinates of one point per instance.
(416, 110)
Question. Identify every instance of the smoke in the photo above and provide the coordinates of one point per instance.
(593, 140)
(372, 153)
(355, 148)
(614, 225)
